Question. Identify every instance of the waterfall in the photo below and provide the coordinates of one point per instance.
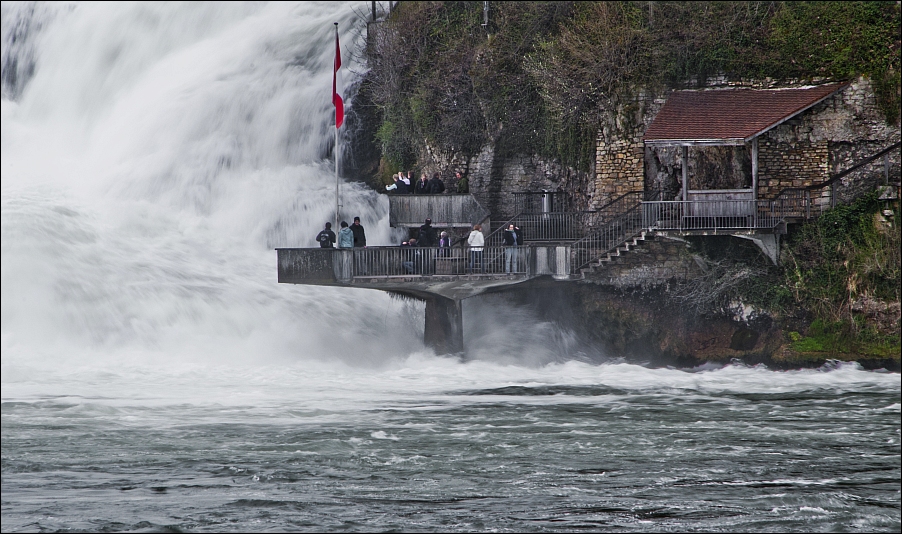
(153, 156)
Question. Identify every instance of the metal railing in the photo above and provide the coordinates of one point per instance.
(324, 266)
(541, 201)
(711, 215)
(559, 226)
(623, 221)
(407, 261)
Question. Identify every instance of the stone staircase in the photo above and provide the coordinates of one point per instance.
(620, 250)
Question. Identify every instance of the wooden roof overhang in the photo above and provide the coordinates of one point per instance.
(730, 117)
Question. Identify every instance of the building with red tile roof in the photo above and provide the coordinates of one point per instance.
(730, 116)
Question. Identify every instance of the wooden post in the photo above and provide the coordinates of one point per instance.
(685, 173)
(755, 168)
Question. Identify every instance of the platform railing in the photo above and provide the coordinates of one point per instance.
(315, 265)
(705, 215)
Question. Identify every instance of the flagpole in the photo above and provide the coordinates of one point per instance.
(337, 206)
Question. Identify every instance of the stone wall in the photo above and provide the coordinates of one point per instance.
(618, 167)
(786, 164)
(806, 150)
(493, 180)
(652, 263)
(824, 140)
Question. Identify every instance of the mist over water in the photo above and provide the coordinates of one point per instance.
(155, 376)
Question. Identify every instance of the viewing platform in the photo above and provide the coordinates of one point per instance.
(441, 280)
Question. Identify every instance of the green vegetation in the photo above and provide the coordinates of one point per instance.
(839, 279)
(836, 339)
(836, 265)
(847, 254)
(543, 77)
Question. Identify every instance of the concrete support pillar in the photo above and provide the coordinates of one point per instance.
(769, 244)
(444, 325)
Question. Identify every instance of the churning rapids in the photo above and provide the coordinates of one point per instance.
(155, 377)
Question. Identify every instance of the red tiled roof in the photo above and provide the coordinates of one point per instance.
(731, 114)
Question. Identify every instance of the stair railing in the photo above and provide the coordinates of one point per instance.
(621, 220)
(797, 202)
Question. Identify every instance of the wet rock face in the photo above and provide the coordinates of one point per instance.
(744, 338)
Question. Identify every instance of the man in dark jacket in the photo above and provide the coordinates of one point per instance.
(422, 185)
(359, 234)
(411, 259)
(512, 239)
(401, 186)
(326, 238)
(427, 235)
(436, 186)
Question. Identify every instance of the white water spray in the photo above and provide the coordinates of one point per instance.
(151, 164)
(153, 156)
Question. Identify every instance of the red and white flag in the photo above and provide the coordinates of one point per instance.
(336, 98)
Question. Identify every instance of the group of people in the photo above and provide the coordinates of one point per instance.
(348, 236)
(426, 237)
(404, 184)
(355, 236)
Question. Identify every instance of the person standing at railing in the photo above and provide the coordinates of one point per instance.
(512, 239)
(359, 233)
(399, 187)
(409, 181)
(462, 185)
(345, 236)
(435, 186)
(426, 235)
(476, 241)
(444, 245)
(411, 256)
(326, 237)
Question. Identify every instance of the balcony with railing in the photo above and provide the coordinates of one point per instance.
(454, 273)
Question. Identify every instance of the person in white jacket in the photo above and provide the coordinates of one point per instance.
(476, 241)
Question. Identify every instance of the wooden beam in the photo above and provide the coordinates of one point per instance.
(696, 142)
(685, 160)
(755, 167)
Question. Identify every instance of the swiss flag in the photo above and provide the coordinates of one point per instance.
(336, 98)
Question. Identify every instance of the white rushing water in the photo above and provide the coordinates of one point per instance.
(151, 165)
(156, 377)
(154, 155)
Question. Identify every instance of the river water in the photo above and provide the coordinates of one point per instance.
(155, 377)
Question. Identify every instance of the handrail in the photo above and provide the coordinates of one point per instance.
(797, 201)
(712, 215)
(326, 266)
(625, 222)
(855, 167)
